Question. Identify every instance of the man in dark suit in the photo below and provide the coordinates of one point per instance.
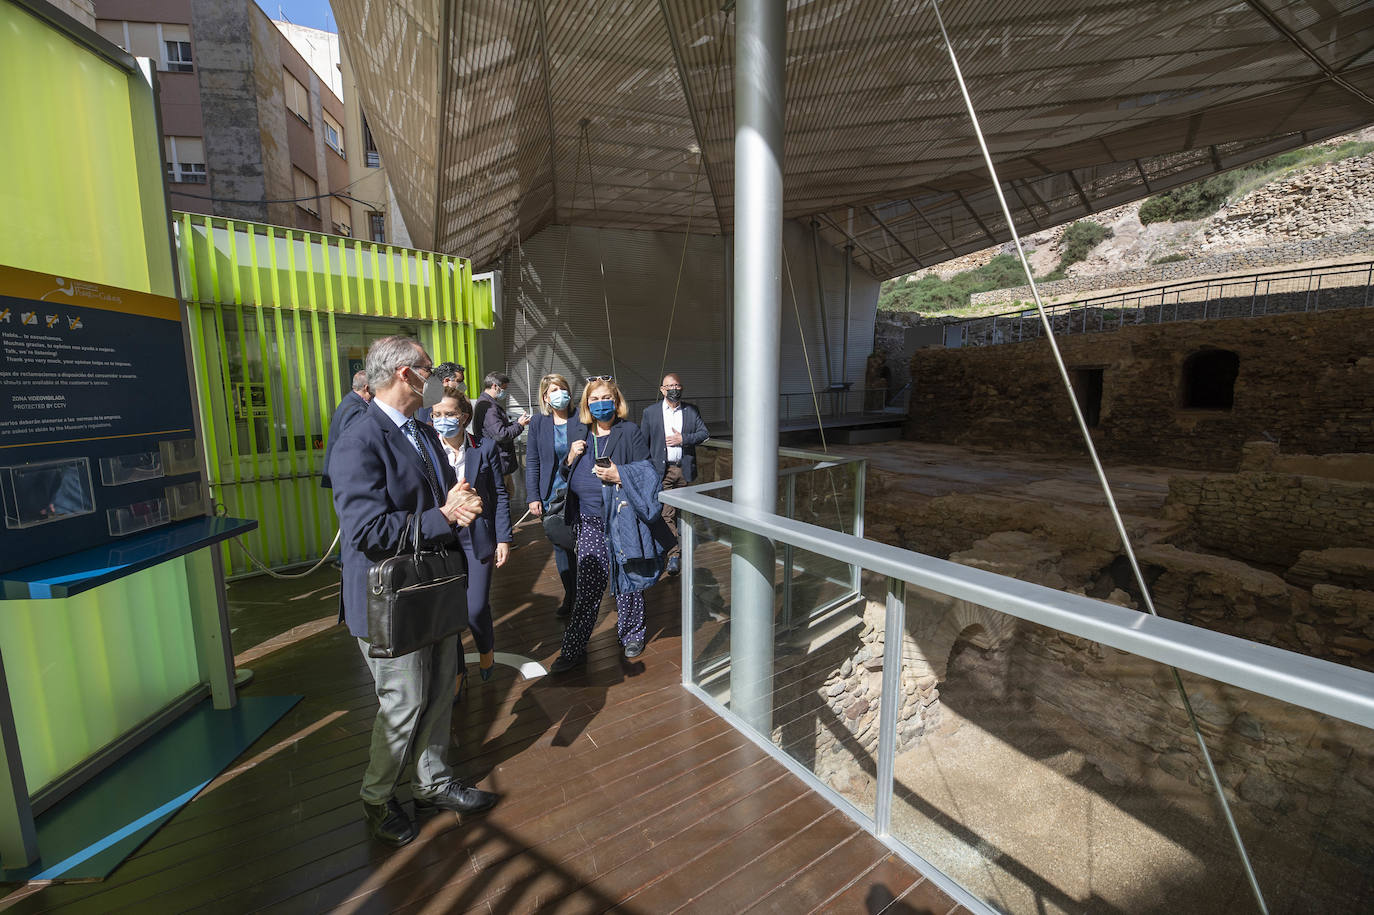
(674, 429)
(490, 421)
(452, 374)
(350, 408)
(392, 468)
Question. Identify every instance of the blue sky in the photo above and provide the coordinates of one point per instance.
(314, 13)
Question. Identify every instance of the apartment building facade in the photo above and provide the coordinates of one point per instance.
(250, 131)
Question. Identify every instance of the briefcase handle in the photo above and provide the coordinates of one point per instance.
(412, 533)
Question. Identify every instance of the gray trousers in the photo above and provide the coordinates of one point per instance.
(415, 696)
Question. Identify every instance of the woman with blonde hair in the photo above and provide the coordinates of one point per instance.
(613, 508)
(550, 434)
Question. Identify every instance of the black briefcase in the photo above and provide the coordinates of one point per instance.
(415, 598)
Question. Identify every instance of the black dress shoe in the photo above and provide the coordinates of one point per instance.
(564, 662)
(565, 610)
(458, 798)
(388, 823)
(634, 649)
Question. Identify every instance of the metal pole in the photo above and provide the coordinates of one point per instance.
(891, 697)
(760, 46)
(844, 353)
(820, 290)
(687, 533)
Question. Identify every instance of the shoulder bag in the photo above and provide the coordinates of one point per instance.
(415, 598)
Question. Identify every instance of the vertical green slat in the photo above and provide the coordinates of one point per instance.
(343, 283)
(377, 299)
(405, 283)
(360, 304)
(269, 389)
(321, 389)
(218, 312)
(332, 392)
(393, 303)
(298, 371)
(470, 314)
(250, 479)
(444, 290)
(189, 246)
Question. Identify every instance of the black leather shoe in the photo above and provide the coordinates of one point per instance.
(458, 798)
(388, 823)
(634, 649)
(565, 662)
(565, 609)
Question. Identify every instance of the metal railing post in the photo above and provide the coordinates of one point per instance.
(790, 510)
(891, 698)
(687, 543)
(860, 481)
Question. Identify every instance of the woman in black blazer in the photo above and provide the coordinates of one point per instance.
(547, 446)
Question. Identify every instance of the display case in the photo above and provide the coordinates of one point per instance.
(180, 456)
(130, 468)
(183, 501)
(46, 491)
(139, 516)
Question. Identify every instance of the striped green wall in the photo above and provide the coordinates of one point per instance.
(280, 319)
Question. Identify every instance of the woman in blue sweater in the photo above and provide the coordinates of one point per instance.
(607, 469)
(550, 434)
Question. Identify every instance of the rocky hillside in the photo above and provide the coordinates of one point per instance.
(1326, 200)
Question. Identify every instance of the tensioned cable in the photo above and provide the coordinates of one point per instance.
(1097, 463)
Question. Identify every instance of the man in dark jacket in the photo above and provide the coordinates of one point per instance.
(452, 375)
(350, 408)
(491, 421)
(674, 429)
(392, 469)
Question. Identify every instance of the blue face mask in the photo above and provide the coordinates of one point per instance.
(602, 409)
(500, 396)
(560, 399)
(447, 426)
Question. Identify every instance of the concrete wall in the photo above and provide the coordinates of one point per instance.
(1305, 381)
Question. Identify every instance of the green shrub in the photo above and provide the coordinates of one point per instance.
(933, 295)
(1170, 258)
(1078, 240)
(1192, 201)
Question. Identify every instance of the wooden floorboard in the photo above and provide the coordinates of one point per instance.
(621, 791)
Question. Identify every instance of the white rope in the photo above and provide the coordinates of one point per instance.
(1092, 454)
(238, 542)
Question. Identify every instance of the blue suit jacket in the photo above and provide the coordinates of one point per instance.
(541, 463)
(482, 470)
(693, 434)
(378, 485)
(348, 410)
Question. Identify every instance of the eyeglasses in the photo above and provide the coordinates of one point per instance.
(427, 369)
(592, 378)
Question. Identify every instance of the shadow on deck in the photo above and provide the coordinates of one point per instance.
(622, 792)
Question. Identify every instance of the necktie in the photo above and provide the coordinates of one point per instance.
(413, 431)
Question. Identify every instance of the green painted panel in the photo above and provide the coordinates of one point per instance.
(85, 669)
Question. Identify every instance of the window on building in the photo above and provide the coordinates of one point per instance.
(1087, 390)
(341, 216)
(371, 157)
(176, 44)
(307, 192)
(376, 225)
(297, 98)
(1209, 379)
(185, 159)
(333, 134)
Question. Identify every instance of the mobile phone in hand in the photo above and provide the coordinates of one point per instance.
(603, 462)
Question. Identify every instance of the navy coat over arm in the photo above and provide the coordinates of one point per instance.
(379, 484)
(693, 434)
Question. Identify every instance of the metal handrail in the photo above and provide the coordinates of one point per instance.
(1260, 287)
(1311, 683)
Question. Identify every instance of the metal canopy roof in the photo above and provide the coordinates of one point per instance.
(498, 117)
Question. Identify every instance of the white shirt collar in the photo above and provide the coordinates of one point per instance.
(395, 415)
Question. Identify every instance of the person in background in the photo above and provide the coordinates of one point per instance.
(673, 428)
(393, 472)
(451, 374)
(353, 405)
(485, 542)
(491, 421)
(621, 537)
(550, 434)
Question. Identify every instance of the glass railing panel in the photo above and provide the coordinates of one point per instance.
(1047, 773)
(1301, 788)
(827, 688)
(710, 606)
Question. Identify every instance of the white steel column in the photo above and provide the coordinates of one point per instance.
(760, 46)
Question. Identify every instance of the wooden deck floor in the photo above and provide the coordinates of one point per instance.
(622, 792)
